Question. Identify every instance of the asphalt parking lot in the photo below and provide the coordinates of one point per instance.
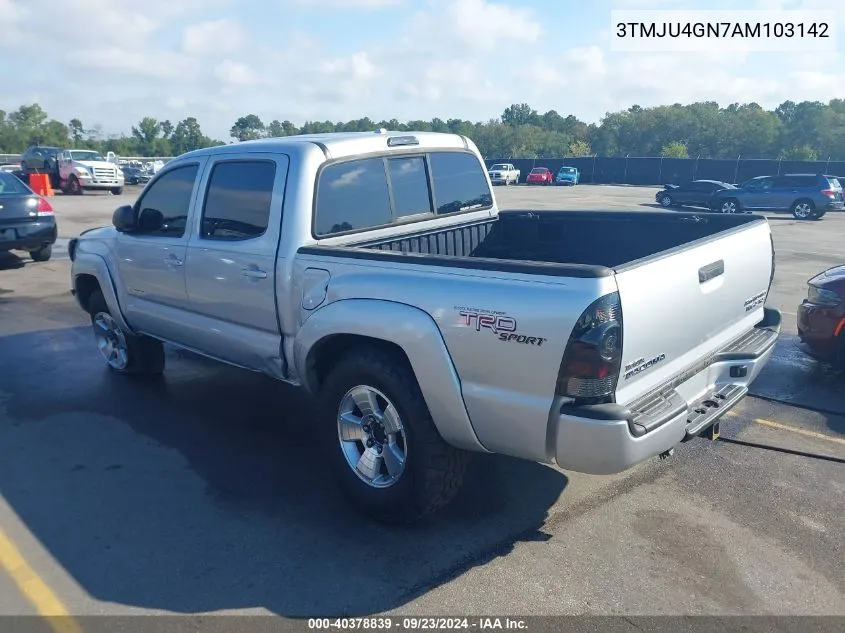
(202, 494)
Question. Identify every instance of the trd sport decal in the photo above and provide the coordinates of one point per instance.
(503, 326)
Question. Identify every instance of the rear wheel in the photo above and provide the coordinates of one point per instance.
(803, 209)
(42, 254)
(117, 191)
(666, 201)
(388, 457)
(123, 352)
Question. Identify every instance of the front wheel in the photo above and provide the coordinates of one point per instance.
(387, 454)
(117, 191)
(74, 187)
(731, 205)
(666, 201)
(123, 353)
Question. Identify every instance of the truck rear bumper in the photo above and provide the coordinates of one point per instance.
(610, 438)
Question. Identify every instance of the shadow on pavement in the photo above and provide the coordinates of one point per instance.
(794, 378)
(11, 261)
(205, 491)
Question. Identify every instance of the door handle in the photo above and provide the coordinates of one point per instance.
(254, 273)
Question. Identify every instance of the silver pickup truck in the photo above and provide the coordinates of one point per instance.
(375, 271)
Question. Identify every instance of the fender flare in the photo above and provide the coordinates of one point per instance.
(417, 334)
(94, 265)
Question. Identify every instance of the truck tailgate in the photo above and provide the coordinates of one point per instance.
(680, 306)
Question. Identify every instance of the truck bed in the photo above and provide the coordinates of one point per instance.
(581, 243)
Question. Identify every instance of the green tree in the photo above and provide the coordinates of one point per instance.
(77, 131)
(675, 149)
(579, 148)
(247, 128)
(805, 152)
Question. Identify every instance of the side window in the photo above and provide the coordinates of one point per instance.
(459, 182)
(163, 210)
(237, 202)
(409, 182)
(352, 195)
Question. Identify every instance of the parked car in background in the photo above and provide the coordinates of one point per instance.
(27, 222)
(567, 176)
(503, 174)
(539, 176)
(821, 317)
(135, 176)
(696, 193)
(41, 159)
(806, 196)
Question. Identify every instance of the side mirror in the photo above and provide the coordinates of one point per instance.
(150, 220)
(123, 219)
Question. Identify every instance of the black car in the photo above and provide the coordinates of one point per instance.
(135, 176)
(40, 158)
(27, 222)
(696, 193)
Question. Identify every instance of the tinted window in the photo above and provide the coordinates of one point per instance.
(459, 182)
(10, 184)
(793, 182)
(352, 195)
(237, 203)
(169, 195)
(759, 183)
(409, 180)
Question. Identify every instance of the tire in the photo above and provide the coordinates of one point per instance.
(432, 471)
(803, 209)
(729, 205)
(43, 254)
(74, 187)
(117, 191)
(138, 355)
(666, 201)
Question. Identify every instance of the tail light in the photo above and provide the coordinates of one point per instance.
(44, 208)
(592, 360)
(830, 193)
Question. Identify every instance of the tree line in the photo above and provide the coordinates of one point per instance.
(809, 130)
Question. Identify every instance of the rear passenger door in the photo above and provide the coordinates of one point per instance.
(230, 270)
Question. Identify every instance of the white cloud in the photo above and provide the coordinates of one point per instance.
(349, 4)
(234, 74)
(216, 37)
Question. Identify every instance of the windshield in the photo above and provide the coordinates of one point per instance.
(80, 154)
(567, 170)
(499, 166)
(539, 170)
(10, 184)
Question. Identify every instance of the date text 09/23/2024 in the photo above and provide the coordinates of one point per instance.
(417, 623)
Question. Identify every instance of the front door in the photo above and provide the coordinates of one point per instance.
(231, 260)
(151, 262)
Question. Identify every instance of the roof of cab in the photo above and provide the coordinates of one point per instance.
(342, 144)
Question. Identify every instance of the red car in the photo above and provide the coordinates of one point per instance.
(540, 176)
(821, 317)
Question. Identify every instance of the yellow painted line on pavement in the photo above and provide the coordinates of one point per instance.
(793, 429)
(37, 591)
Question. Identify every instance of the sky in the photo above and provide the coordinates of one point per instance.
(112, 62)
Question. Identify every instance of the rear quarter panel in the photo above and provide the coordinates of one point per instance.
(487, 321)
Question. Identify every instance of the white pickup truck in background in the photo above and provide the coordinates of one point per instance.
(375, 271)
(503, 174)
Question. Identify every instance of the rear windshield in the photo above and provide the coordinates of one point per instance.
(500, 166)
(10, 184)
(539, 170)
(567, 170)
